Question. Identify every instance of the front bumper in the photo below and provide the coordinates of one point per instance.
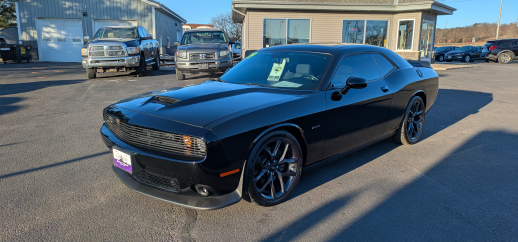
(112, 62)
(224, 191)
(195, 66)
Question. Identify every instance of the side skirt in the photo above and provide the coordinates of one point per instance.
(346, 153)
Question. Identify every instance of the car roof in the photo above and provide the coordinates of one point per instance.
(204, 30)
(314, 47)
(121, 27)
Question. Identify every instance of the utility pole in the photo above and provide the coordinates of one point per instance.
(499, 15)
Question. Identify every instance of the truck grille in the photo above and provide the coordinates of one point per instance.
(176, 146)
(203, 56)
(107, 51)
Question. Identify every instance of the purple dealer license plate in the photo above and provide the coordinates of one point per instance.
(122, 160)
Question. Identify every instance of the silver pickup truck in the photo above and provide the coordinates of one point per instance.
(116, 49)
(205, 50)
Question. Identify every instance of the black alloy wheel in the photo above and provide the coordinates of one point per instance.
(274, 169)
(141, 69)
(467, 58)
(411, 127)
(156, 66)
(504, 58)
(441, 58)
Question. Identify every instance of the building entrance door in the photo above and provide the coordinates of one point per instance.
(426, 40)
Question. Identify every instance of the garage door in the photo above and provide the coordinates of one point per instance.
(60, 40)
(99, 23)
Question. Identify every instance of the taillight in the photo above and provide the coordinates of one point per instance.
(492, 48)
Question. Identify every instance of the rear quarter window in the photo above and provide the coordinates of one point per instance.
(384, 65)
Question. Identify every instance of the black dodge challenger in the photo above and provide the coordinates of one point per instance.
(251, 133)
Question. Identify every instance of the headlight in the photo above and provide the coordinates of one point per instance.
(223, 53)
(182, 55)
(84, 52)
(133, 50)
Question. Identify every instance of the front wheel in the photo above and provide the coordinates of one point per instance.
(91, 73)
(466, 58)
(179, 75)
(141, 69)
(273, 169)
(441, 58)
(156, 66)
(411, 127)
(504, 58)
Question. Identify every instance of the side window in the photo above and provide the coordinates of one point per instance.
(358, 66)
(140, 32)
(384, 65)
(144, 33)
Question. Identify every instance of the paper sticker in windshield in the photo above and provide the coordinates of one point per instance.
(276, 72)
(286, 84)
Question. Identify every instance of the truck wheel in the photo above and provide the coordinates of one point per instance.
(179, 75)
(90, 73)
(156, 66)
(141, 69)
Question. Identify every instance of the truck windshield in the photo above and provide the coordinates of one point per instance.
(203, 37)
(105, 33)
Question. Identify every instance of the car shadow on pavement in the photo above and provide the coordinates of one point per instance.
(7, 104)
(470, 194)
(17, 88)
(52, 165)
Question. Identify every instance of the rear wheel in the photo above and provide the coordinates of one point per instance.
(156, 66)
(273, 169)
(441, 58)
(411, 127)
(91, 73)
(141, 69)
(466, 58)
(504, 58)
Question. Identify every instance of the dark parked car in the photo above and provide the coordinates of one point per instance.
(503, 51)
(468, 53)
(252, 132)
(439, 52)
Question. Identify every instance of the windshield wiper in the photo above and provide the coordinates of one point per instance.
(255, 84)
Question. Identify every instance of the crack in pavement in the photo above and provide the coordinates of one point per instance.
(190, 220)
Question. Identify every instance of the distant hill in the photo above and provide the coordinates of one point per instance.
(480, 31)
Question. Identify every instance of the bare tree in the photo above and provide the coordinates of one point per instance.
(225, 23)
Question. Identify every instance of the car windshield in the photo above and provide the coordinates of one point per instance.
(280, 69)
(105, 33)
(465, 48)
(442, 48)
(203, 37)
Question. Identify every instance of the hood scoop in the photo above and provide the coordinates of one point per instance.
(166, 100)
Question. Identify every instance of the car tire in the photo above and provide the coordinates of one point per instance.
(156, 66)
(273, 169)
(411, 127)
(440, 58)
(467, 58)
(179, 75)
(448, 61)
(91, 73)
(141, 69)
(505, 58)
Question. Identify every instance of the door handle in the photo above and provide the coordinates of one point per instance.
(384, 88)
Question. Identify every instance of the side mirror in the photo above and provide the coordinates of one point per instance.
(147, 36)
(227, 70)
(231, 41)
(176, 44)
(354, 83)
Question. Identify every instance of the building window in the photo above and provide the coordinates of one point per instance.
(371, 32)
(405, 34)
(285, 31)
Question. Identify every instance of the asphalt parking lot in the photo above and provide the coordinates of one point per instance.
(458, 183)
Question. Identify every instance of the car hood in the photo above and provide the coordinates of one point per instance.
(204, 46)
(112, 40)
(205, 103)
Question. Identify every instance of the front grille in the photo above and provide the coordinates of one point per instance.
(176, 146)
(203, 56)
(107, 51)
(158, 181)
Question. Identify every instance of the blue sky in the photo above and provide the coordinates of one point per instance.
(468, 11)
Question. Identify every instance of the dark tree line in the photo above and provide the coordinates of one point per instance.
(479, 31)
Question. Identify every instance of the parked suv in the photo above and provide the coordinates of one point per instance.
(468, 53)
(503, 50)
(120, 49)
(203, 50)
(439, 52)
